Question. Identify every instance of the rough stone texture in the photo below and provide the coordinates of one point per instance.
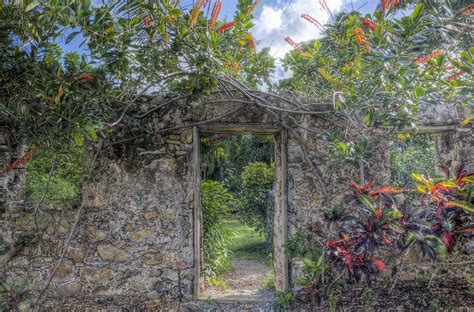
(137, 228)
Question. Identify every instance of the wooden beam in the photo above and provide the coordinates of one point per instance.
(284, 207)
(423, 129)
(197, 220)
(240, 128)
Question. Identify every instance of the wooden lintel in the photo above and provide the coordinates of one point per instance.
(240, 128)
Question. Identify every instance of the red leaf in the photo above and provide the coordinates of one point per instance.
(379, 263)
(387, 190)
(448, 240)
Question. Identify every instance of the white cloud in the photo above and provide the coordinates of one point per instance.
(275, 22)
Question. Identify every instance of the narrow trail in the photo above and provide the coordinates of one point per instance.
(244, 280)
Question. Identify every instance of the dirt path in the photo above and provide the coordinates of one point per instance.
(244, 280)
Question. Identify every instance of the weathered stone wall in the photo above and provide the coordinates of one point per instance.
(12, 184)
(137, 229)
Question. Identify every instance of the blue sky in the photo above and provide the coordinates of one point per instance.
(275, 20)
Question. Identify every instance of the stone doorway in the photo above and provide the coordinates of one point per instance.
(280, 231)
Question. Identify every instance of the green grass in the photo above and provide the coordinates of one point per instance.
(247, 243)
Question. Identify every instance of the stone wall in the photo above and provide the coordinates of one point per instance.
(136, 232)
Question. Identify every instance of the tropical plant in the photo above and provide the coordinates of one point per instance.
(257, 182)
(216, 203)
(11, 293)
(283, 299)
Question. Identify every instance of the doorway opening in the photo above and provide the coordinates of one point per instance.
(238, 188)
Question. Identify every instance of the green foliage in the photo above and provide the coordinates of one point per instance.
(11, 293)
(216, 203)
(246, 243)
(65, 186)
(416, 153)
(268, 281)
(284, 299)
(225, 156)
(257, 181)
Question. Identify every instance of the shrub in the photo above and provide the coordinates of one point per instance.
(65, 185)
(216, 203)
(257, 181)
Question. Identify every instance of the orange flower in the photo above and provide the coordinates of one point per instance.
(292, 43)
(360, 37)
(369, 24)
(171, 19)
(194, 14)
(313, 21)
(19, 162)
(226, 27)
(423, 60)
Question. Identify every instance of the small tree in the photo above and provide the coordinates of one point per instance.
(257, 181)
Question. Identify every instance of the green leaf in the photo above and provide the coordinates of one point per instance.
(91, 132)
(31, 6)
(416, 13)
(78, 140)
(71, 36)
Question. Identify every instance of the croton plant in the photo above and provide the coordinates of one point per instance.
(376, 223)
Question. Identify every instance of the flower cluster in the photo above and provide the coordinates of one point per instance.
(312, 20)
(193, 16)
(388, 4)
(423, 60)
(292, 43)
(456, 75)
(325, 6)
(215, 13)
(147, 20)
(19, 162)
(226, 27)
(468, 9)
(171, 19)
(251, 43)
(360, 37)
(367, 22)
(83, 78)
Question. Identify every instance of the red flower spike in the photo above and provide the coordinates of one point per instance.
(215, 13)
(468, 9)
(326, 7)
(423, 60)
(456, 75)
(367, 22)
(389, 4)
(147, 20)
(292, 43)
(19, 162)
(226, 27)
(206, 3)
(313, 21)
(252, 44)
(379, 263)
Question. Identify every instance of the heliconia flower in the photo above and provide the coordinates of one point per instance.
(456, 75)
(468, 9)
(226, 27)
(251, 43)
(292, 43)
(171, 19)
(388, 4)
(313, 21)
(194, 14)
(360, 37)
(423, 60)
(206, 3)
(19, 162)
(147, 20)
(326, 7)
(369, 24)
(252, 7)
(215, 13)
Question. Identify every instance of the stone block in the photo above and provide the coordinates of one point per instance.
(95, 235)
(142, 236)
(114, 254)
(141, 283)
(77, 254)
(97, 275)
(152, 258)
